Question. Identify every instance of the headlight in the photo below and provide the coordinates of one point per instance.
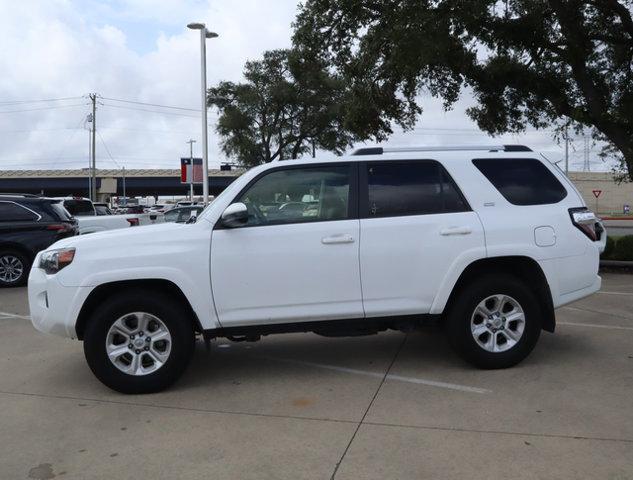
(52, 261)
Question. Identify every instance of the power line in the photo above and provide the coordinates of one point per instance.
(45, 108)
(108, 150)
(148, 111)
(150, 104)
(18, 102)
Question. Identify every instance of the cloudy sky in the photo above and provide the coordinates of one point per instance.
(141, 51)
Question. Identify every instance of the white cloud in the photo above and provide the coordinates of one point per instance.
(63, 48)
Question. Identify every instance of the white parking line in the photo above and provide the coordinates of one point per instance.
(593, 325)
(629, 294)
(14, 315)
(419, 381)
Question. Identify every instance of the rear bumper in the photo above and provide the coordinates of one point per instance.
(54, 307)
(578, 294)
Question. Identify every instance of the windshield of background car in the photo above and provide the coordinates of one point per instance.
(78, 208)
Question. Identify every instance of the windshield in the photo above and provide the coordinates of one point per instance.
(79, 208)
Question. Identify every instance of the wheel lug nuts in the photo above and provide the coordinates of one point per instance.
(138, 351)
(147, 339)
(131, 337)
(146, 349)
(130, 346)
(140, 334)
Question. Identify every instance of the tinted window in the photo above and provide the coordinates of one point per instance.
(411, 188)
(78, 208)
(60, 211)
(298, 195)
(524, 181)
(12, 212)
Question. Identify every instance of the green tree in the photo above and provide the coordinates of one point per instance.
(288, 105)
(526, 62)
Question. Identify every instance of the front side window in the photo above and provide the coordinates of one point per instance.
(297, 195)
(411, 188)
(12, 212)
(522, 181)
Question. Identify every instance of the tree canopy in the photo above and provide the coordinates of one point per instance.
(527, 62)
(287, 106)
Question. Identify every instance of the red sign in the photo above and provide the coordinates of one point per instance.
(190, 172)
(596, 193)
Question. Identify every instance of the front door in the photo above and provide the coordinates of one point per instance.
(296, 259)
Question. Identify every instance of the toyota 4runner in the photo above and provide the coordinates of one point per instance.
(487, 241)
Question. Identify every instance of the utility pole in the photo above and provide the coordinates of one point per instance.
(191, 142)
(124, 194)
(567, 149)
(93, 181)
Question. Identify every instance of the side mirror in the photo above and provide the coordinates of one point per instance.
(193, 216)
(235, 215)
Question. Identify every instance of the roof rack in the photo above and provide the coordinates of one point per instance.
(26, 195)
(487, 148)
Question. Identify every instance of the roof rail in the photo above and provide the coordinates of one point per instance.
(487, 148)
(26, 195)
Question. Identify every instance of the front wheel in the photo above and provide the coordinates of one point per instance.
(137, 342)
(14, 268)
(494, 322)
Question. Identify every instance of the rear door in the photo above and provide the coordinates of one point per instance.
(296, 259)
(415, 227)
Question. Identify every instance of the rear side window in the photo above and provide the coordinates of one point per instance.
(78, 208)
(60, 212)
(522, 181)
(411, 188)
(12, 212)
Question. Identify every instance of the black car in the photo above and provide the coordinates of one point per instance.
(28, 224)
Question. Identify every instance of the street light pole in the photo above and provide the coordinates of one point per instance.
(204, 34)
(191, 142)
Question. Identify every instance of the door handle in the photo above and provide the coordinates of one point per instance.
(345, 238)
(456, 231)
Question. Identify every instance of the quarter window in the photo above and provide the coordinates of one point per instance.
(411, 188)
(522, 181)
(12, 212)
(299, 195)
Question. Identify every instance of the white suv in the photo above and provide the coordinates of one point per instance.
(486, 240)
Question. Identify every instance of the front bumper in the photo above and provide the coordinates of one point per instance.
(54, 307)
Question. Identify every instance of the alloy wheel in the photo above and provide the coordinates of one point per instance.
(498, 323)
(11, 268)
(138, 343)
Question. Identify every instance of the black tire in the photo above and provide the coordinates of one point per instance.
(23, 261)
(458, 321)
(162, 306)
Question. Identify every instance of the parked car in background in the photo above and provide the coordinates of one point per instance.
(183, 214)
(486, 241)
(28, 224)
(102, 209)
(90, 221)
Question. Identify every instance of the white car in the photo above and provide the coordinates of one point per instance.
(487, 240)
(90, 220)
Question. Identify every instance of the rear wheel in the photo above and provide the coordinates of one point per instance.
(14, 268)
(138, 343)
(494, 322)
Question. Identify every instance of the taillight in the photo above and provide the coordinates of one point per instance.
(586, 221)
(59, 227)
(133, 222)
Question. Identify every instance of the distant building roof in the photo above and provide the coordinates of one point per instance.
(80, 172)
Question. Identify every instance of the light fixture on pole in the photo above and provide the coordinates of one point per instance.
(204, 34)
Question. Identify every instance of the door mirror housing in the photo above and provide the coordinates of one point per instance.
(235, 215)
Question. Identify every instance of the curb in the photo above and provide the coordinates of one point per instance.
(616, 263)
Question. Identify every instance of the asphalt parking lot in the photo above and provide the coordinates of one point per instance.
(302, 406)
